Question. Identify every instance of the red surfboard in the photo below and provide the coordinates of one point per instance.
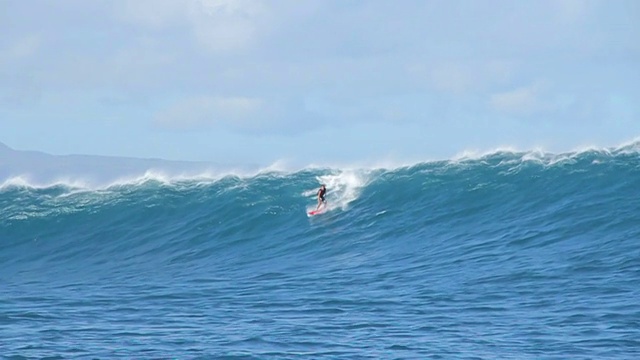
(316, 212)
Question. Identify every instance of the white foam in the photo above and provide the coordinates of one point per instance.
(16, 181)
(343, 187)
(25, 181)
(543, 156)
(79, 182)
(344, 179)
(474, 154)
(629, 147)
(278, 166)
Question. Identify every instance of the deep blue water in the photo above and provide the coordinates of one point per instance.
(505, 256)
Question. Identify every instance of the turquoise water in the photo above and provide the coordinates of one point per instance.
(508, 255)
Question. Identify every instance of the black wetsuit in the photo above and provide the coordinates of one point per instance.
(321, 193)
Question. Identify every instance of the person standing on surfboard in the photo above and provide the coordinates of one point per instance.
(321, 193)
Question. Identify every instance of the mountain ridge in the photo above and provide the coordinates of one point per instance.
(41, 167)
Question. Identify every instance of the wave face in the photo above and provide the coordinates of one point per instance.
(506, 255)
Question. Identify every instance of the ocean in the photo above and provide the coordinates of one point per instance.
(504, 255)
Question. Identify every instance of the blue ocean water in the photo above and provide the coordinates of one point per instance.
(509, 255)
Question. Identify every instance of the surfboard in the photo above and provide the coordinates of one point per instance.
(317, 212)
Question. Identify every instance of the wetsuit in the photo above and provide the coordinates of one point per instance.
(321, 193)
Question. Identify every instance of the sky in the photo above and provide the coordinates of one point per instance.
(317, 81)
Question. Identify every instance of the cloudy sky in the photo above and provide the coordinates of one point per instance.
(253, 81)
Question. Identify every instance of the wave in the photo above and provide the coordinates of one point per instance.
(505, 156)
(376, 189)
(439, 197)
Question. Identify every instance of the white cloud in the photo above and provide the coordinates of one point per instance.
(26, 47)
(155, 14)
(140, 58)
(19, 91)
(249, 115)
(451, 77)
(207, 111)
(460, 77)
(223, 25)
(18, 88)
(21, 49)
(217, 25)
(521, 101)
(571, 11)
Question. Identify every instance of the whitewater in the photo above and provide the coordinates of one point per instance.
(503, 255)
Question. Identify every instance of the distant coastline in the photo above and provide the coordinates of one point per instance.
(42, 168)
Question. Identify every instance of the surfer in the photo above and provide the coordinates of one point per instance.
(321, 193)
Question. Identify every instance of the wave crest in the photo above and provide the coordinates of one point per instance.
(349, 179)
